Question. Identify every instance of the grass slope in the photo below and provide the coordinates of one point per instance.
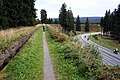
(71, 62)
(65, 68)
(28, 63)
(61, 67)
(106, 42)
(10, 36)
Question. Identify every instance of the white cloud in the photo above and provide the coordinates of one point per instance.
(79, 7)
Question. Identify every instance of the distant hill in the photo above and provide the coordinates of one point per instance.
(91, 19)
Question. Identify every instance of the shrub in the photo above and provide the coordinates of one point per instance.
(58, 37)
(95, 36)
(56, 34)
(78, 63)
(87, 62)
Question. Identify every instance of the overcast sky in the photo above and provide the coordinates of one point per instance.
(83, 8)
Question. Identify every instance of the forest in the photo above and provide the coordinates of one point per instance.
(15, 13)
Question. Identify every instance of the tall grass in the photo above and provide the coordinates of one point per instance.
(92, 27)
(9, 36)
(28, 63)
(71, 62)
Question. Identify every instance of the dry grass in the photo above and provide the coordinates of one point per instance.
(28, 63)
(9, 36)
(55, 31)
(54, 27)
(93, 28)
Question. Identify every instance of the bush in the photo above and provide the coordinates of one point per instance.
(56, 34)
(95, 36)
(58, 37)
(76, 63)
(87, 62)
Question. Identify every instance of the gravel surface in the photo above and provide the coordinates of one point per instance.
(48, 67)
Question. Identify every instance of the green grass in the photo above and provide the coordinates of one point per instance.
(61, 67)
(106, 42)
(71, 62)
(28, 63)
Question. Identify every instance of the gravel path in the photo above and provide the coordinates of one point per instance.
(48, 67)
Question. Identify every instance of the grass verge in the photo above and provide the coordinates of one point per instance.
(71, 62)
(28, 63)
(105, 41)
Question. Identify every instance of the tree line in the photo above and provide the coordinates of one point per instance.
(66, 20)
(111, 23)
(15, 13)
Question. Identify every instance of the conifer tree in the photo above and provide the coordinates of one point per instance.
(43, 16)
(63, 17)
(70, 21)
(101, 22)
(87, 25)
(15, 13)
(66, 19)
(78, 24)
(111, 23)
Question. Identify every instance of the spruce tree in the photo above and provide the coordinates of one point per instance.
(78, 24)
(1, 9)
(70, 21)
(43, 16)
(87, 25)
(111, 23)
(106, 23)
(56, 21)
(15, 13)
(63, 17)
(101, 22)
(117, 24)
(51, 20)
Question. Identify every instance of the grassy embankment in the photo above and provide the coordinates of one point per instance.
(28, 63)
(105, 41)
(9, 36)
(71, 62)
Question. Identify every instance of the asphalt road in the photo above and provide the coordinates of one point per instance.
(108, 57)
